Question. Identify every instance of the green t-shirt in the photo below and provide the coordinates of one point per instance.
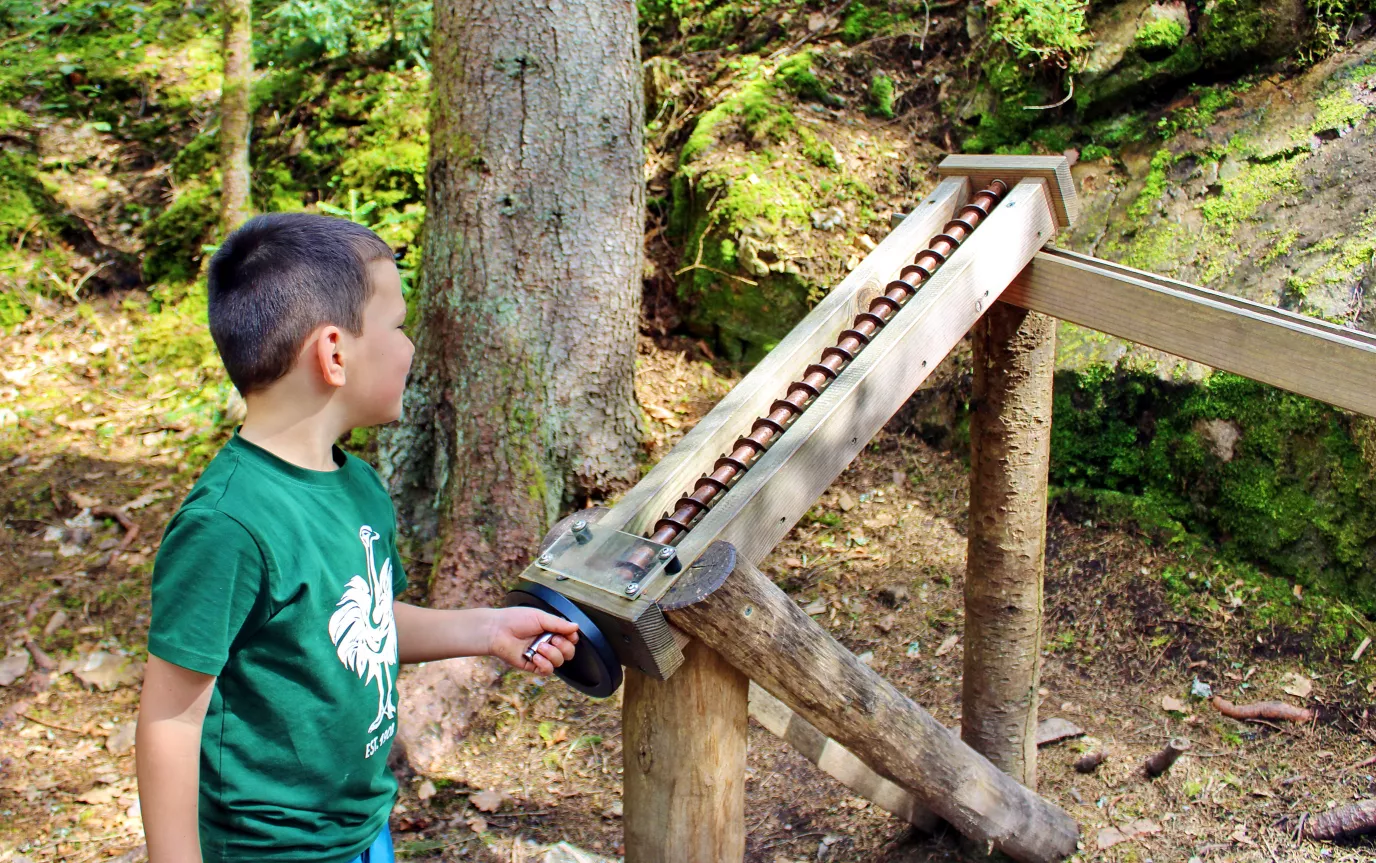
(279, 581)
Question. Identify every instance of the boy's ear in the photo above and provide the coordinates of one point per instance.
(329, 355)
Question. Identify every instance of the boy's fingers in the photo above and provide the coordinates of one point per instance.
(552, 655)
(564, 646)
(542, 665)
(551, 623)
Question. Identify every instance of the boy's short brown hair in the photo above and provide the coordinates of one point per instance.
(278, 277)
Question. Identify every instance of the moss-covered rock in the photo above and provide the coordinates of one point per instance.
(766, 205)
(1142, 48)
(1283, 480)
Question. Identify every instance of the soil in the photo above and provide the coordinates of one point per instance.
(1116, 646)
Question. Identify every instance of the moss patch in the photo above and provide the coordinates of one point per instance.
(1278, 479)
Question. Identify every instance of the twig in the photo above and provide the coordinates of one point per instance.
(53, 725)
(787, 839)
(1278, 710)
(1358, 766)
(926, 25)
(131, 527)
(1162, 761)
(1071, 78)
(788, 49)
(699, 265)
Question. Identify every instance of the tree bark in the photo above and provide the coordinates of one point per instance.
(521, 395)
(1010, 446)
(685, 742)
(235, 115)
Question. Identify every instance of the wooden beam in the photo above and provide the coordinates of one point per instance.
(787, 479)
(761, 631)
(1055, 170)
(837, 761)
(1010, 451)
(713, 435)
(1314, 358)
(684, 762)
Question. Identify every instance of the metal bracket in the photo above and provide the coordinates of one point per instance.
(622, 564)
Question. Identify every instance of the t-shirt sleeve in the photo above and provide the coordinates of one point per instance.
(209, 575)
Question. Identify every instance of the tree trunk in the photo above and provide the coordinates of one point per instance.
(235, 116)
(521, 394)
(1010, 445)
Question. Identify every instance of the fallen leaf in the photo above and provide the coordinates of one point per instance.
(887, 623)
(56, 622)
(1171, 704)
(659, 413)
(1240, 835)
(107, 671)
(99, 796)
(122, 740)
(13, 666)
(477, 824)
(793, 563)
(1297, 685)
(947, 645)
(817, 606)
(84, 501)
(488, 801)
(1056, 729)
(1361, 648)
(426, 790)
(845, 501)
(1108, 837)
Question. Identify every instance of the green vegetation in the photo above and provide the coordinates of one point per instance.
(1051, 31)
(881, 95)
(1159, 35)
(1281, 479)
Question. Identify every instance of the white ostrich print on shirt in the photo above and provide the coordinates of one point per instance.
(363, 630)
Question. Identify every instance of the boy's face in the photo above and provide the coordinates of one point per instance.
(382, 354)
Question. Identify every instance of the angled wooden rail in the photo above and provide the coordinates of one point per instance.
(1311, 357)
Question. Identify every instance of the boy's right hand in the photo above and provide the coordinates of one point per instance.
(514, 629)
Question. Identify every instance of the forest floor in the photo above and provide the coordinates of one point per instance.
(1130, 627)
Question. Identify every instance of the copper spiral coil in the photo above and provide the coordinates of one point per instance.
(819, 375)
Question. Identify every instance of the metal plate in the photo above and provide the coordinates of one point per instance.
(598, 557)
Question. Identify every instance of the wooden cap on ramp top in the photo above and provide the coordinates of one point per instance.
(981, 170)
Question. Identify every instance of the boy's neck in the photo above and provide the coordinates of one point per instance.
(293, 432)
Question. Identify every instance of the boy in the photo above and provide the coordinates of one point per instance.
(268, 703)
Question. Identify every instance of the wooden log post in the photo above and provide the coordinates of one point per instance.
(684, 762)
(1010, 447)
(757, 628)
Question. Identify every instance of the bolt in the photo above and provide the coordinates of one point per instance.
(580, 524)
(666, 552)
(633, 588)
(559, 577)
(545, 558)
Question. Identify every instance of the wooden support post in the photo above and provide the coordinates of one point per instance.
(1010, 447)
(684, 742)
(757, 628)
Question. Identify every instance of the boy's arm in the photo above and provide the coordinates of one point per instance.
(168, 752)
(427, 634)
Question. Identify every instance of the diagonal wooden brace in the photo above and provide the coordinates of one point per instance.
(763, 633)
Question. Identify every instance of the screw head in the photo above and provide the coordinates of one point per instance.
(666, 552)
(545, 558)
(633, 588)
(580, 525)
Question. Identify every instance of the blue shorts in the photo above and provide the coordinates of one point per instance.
(380, 851)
